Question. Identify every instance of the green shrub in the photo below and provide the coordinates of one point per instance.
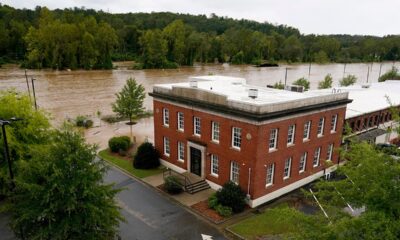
(348, 80)
(118, 144)
(83, 121)
(146, 157)
(231, 195)
(212, 201)
(172, 185)
(302, 82)
(279, 85)
(224, 211)
(392, 74)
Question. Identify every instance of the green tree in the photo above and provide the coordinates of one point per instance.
(302, 82)
(279, 85)
(292, 49)
(60, 193)
(321, 57)
(326, 83)
(392, 74)
(174, 33)
(154, 48)
(348, 80)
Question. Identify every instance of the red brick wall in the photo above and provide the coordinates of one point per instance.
(254, 153)
(357, 123)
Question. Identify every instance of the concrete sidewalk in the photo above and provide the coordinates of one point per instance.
(184, 198)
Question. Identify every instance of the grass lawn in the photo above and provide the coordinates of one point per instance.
(127, 165)
(275, 221)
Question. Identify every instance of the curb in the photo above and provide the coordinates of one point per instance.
(234, 234)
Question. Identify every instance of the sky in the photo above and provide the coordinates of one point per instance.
(363, 17)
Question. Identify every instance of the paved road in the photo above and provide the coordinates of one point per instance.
(150, 215)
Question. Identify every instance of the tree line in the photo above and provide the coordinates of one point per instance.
(85, 38)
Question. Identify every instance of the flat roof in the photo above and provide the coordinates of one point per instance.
(368, 98)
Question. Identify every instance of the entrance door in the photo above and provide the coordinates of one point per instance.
(195, 161)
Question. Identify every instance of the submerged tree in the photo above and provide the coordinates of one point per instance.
(348, 80)
(326, 83)
(392, 74)
(60, 193)
(302, 82)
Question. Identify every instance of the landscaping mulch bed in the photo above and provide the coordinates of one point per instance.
(128, 155)
(203, 209)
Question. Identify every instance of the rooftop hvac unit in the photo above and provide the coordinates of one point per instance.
(253, 93)
(193, 83)
(294, 88)
(365, 85)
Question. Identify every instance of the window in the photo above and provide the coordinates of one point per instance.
(197, 126)
(321, 126)
(329, 153)
(166, 146)
(273, 138)
(333, 123)
(181, 121)
(316, 157)
(215, 132)
(235, 172)
(181, 151)
(286, 171)
(236, 137)
(270, 174)
(166, 117)
(291, 131)
(214, 164)
(306, 133)
(303, 162)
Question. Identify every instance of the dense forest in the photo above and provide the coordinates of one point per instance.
(89, 39)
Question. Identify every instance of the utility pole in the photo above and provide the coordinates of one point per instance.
(6, 150)
(368, 74)
(34, 94)
(380, 70)
(27, 84)
(285, 75)
(309, 71)
(344, 69)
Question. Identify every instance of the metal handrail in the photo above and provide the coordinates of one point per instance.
(169, 172)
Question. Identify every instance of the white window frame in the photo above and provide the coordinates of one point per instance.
(269, 178)
(214, 165)
(286, 169)
(181, 121)
(291, 134)
(329, 153)
(317, 155)
(215, 131)
(181, 151)
(303, 162)
(236, 137)
(235, 171)
(196, 126)
(334, 123)
(166, 117)
(321, 124)
(306, 129)
(167, 149)
(273, 132)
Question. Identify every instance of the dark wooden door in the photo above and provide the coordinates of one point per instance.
(195, 161)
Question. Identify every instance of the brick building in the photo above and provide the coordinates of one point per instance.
(268, 141)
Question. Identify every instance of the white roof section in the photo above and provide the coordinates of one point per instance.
(236, 89)
(370, 98)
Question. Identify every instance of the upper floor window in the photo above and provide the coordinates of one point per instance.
(317, 154)
(234, 172)
(214, 165)
(236, 137)
(306, 132)
(166, 117)
(321, 126)
(166, 146)
(181, 121)
(270, 174)
(286, 170)
(273, 138)
(329, 152)
(291, 131)
(303, 162)
(334, 123)
(181, 151)
(197, 126)
(215, 131)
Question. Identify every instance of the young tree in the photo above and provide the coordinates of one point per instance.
(129, 103)
(302, 82)
(279, 85)
(392, 74)
(60, 193)
(326, 83)
(348, 80)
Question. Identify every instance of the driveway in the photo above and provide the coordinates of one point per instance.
(150, 215)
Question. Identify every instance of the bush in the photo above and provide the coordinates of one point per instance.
(231, 195)
(392, 74)
(349, 80)
(146, 157)
(224, 211)
(213, 201)
(119, 144)
(302, 82)
(172, 185)
(279, 85)
(83, 121)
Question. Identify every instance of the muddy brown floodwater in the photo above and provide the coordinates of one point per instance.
(66, 94)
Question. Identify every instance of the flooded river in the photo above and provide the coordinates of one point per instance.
(71, 93)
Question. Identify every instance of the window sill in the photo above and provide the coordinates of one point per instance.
(271, 150)
(333, 132)
(181, 160)
(320, 135)
(167, 155)
(290, 145)
(214, 141)
(302, 171)
(180, 130)
(214, 175)
(306, 140)
(286, 178)
(269, 185)
(166, 126)
(314, 166)
(196, 135)
(235, 148)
